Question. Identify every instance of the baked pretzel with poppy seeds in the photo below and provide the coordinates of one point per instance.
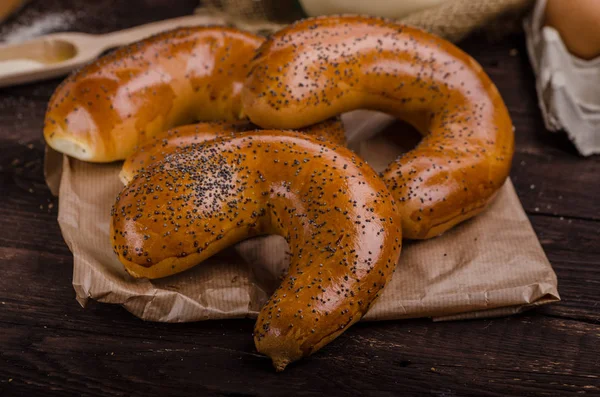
(321, 67)
(337, 215)
(103, 111)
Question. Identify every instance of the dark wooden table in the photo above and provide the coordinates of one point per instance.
(49, 345)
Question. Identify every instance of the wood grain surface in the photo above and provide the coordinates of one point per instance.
(50, 346)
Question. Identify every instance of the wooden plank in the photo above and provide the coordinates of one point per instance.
(49, 345)
(573, 248)
(562, 186)
(21, 122)
(513, 356)
(28, 207)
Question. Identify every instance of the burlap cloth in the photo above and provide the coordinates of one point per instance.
(452, 20)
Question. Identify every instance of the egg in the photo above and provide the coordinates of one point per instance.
(578, 23)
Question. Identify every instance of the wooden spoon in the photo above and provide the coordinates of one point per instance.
(57, 54)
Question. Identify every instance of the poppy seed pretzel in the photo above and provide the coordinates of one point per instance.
(321, 67)
(338, 217)
(103, 111)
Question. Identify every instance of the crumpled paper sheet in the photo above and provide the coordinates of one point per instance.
(567, 87)
(490, 266)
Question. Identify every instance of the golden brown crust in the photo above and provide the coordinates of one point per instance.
(101, 112)
(155, 149)
(321, 67)
(337, 215)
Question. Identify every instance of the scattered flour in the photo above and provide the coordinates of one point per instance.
(37, 26)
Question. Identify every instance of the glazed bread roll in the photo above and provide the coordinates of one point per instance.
(157, 148)
(104, 110)
(338, 217)
(321, 67)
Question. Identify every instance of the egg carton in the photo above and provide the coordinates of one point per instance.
(568, 87)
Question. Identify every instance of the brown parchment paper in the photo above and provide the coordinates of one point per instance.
(490, 266)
